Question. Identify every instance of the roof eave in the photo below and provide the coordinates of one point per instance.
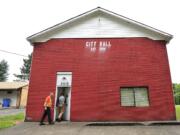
(33, 37)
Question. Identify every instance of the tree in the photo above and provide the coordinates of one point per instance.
(25, 69)
(4, 67)
(176, 88)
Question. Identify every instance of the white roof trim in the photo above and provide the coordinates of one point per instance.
(32, 38)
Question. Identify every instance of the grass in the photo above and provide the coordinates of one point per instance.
(10, 120)
(177, 112)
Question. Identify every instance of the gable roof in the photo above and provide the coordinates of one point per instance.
(35, 37)
(12, 85)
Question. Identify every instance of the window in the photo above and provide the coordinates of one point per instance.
(9, 92)
(134, 96)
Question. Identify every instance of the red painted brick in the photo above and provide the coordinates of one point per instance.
(97, 78)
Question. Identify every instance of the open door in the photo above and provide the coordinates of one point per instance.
(63, 85)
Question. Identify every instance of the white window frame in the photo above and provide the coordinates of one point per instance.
(134, 89)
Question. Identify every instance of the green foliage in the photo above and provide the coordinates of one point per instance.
(176, 89)
(11, 120)
(4, 67)
(25, 69)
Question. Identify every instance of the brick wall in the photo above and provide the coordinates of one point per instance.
(98, 75)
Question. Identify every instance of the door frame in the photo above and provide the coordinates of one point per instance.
(62, 73)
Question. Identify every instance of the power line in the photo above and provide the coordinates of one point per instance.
(13, 53)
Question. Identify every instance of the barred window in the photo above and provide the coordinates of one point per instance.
(134, 96)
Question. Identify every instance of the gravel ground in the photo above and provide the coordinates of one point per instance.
(79, 128)
(10, 111)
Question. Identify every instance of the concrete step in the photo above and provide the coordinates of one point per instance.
(149, 123)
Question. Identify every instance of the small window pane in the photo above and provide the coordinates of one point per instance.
(141, 97)
(127, 97)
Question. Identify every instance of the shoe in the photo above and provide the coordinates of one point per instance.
(52, 123)
(58, 120)
(42, 124)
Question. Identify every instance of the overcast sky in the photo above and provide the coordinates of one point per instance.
(22, 18)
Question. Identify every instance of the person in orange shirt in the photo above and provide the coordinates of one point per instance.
(47, 109)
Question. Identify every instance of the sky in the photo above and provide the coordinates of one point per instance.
(22, 18)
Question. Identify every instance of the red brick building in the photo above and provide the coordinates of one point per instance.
(110, 68)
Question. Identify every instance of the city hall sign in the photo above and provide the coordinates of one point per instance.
(102, 46)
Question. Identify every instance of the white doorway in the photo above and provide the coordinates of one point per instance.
(63, 85)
